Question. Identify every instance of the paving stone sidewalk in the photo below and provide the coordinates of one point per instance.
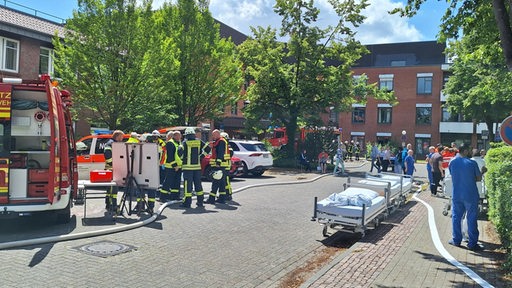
(401, 253)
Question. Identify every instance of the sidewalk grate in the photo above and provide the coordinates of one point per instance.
(104, 248)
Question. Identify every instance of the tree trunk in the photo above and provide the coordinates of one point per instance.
(503, 21)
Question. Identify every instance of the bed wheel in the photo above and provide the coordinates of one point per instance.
(377, 222)
(445, 212)
(324, 231)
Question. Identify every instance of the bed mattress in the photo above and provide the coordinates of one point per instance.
(395, 182)
(338, 208)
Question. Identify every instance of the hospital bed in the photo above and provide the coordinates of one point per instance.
(399, 186)
(354, 209)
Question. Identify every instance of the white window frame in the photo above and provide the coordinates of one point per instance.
(388, 80)
(50, 60)
(423, 105)
(383, 108)
(3, 54)
(424, 76)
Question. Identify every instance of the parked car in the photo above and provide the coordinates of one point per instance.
(90, 157)
(255, 157)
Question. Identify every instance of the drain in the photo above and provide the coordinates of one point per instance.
(104, 248)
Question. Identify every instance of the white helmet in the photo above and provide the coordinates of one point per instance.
(155, 132)
(190, 131)
(224, 135)
(217, 174)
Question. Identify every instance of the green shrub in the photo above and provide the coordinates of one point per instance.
(498, 180)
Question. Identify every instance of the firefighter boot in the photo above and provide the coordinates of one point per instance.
(221, 199)
(200, 200)
(175, 196)
(211, 199)
(186, 202)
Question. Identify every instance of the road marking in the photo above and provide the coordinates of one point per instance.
(440, 248)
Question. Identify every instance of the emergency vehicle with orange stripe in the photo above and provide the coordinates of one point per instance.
(38, 170)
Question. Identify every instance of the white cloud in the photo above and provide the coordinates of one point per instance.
(381, 27)
(378, 27)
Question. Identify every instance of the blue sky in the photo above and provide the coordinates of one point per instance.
(379, 27)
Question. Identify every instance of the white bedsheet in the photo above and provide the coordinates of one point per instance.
(335, 204)
(395, 182)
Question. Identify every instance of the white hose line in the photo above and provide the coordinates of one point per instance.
(59, 238)
(279, 183)
(67, 237)
(440, 248)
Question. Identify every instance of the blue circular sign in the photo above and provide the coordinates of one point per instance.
(506, 130)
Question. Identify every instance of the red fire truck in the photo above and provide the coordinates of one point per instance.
(38, 171)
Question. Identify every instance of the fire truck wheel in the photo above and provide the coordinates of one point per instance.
(64, 215)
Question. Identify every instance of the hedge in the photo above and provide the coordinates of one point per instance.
(498, 181)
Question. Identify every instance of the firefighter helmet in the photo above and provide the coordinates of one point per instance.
(224, 135)
(216, 174)
(190, 131)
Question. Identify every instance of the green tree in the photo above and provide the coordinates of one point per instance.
(294, 82)
(139, 69)
(479, 86)
(464, 15)
(208, 75)
(101, 57)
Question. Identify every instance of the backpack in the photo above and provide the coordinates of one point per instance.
(399, 157)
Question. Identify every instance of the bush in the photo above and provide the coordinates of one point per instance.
(498, 181)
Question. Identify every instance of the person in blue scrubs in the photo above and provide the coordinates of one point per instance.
(465, 173)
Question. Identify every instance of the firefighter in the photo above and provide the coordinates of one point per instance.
(161, 153)
(134, 138)
(171, 187)
(229, 190)
(193, 151)
(111, 195)
(219, 162)
(350, 149)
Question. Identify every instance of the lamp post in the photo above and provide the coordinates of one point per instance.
(404, 137)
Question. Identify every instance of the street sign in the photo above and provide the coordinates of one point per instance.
(506, 130)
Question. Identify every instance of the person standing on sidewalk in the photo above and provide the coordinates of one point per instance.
(409, 163)
(436, 162)
(465, 173)
(374, 155)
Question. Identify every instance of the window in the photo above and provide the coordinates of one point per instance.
(384, 115)
(423, 114)
(333, 117)
(234, 108)
(424, 83)
(45, 61)
(386, 82)
(397, 63)
(358, 114)
(9, 53)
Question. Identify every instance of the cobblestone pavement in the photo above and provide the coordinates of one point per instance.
(255, 241)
